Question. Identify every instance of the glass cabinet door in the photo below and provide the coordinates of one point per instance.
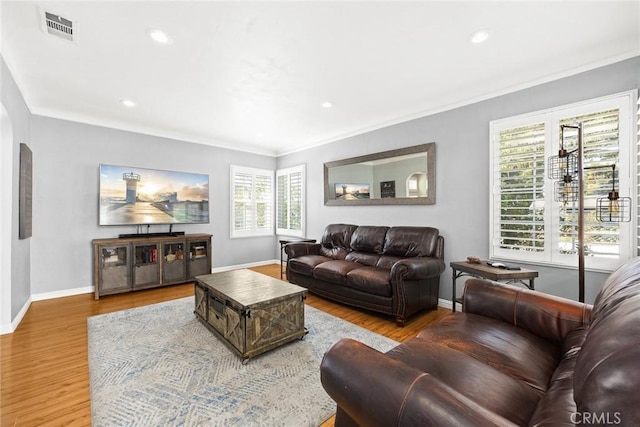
(146, 268)
(174, 266)
(114, 272)
(198, 258)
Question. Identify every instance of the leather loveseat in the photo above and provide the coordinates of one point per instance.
(392, 270)
(512, 357)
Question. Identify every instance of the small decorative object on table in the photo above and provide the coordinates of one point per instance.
(503, 265)
(473, 259)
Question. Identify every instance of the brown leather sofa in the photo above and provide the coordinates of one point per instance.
(512, 357)
(392, 270)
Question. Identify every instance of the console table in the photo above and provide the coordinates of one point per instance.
(484, 271)
(148, 261)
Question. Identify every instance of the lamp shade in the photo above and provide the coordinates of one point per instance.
(613, 208)
(564, 163)
(566, 190)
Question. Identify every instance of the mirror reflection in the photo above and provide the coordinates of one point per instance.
(403, 176)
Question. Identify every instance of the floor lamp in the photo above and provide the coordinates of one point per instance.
(567, 168)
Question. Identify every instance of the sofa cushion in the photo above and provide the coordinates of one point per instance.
(557, 405)
(368, 239)
(503, 346)
(482, 383)
(387, 261)
(371, 280)
(306, 263)
(334, 271)
(411, 242)
(363, 258)
(336, 240)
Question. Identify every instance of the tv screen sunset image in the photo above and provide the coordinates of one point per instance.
(345, 191)
(130, 195)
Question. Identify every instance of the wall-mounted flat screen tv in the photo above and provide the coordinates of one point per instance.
(133, 196)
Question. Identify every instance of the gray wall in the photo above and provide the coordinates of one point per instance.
(19, 115)
(66, 157)
(461, 211)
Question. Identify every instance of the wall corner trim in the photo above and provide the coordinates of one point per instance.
(11, 327)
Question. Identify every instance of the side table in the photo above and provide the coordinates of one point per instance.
(484, 271)
(285, 242)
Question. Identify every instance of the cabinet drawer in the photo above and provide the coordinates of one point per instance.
(217, 314)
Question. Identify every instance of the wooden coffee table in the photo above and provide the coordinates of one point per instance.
(252, 313)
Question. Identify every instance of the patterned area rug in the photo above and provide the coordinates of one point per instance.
(159, 366)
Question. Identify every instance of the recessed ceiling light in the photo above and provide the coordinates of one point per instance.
(159, 36)
(479, 36)
(127, 103)
(327, 104)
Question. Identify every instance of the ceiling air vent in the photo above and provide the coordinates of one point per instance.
(59, 26)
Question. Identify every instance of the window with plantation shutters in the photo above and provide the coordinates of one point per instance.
(252, 202)
(601, 149)
(527, 223)
(290, 201)
(520, 177)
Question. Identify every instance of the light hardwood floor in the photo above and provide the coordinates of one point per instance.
(44, 368)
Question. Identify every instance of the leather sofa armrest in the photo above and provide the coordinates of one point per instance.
(417, 268)
(374, 389)
(439, 253)
(545, 315)
(294, 250)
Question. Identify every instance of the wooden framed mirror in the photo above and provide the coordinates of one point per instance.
(406, 176)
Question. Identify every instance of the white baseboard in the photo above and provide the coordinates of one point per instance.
(11, 327)
(63, 293)
(445, 303)
(249, 265)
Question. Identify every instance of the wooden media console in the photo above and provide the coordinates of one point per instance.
(133, 263)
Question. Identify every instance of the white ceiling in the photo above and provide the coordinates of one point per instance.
(253, 75)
